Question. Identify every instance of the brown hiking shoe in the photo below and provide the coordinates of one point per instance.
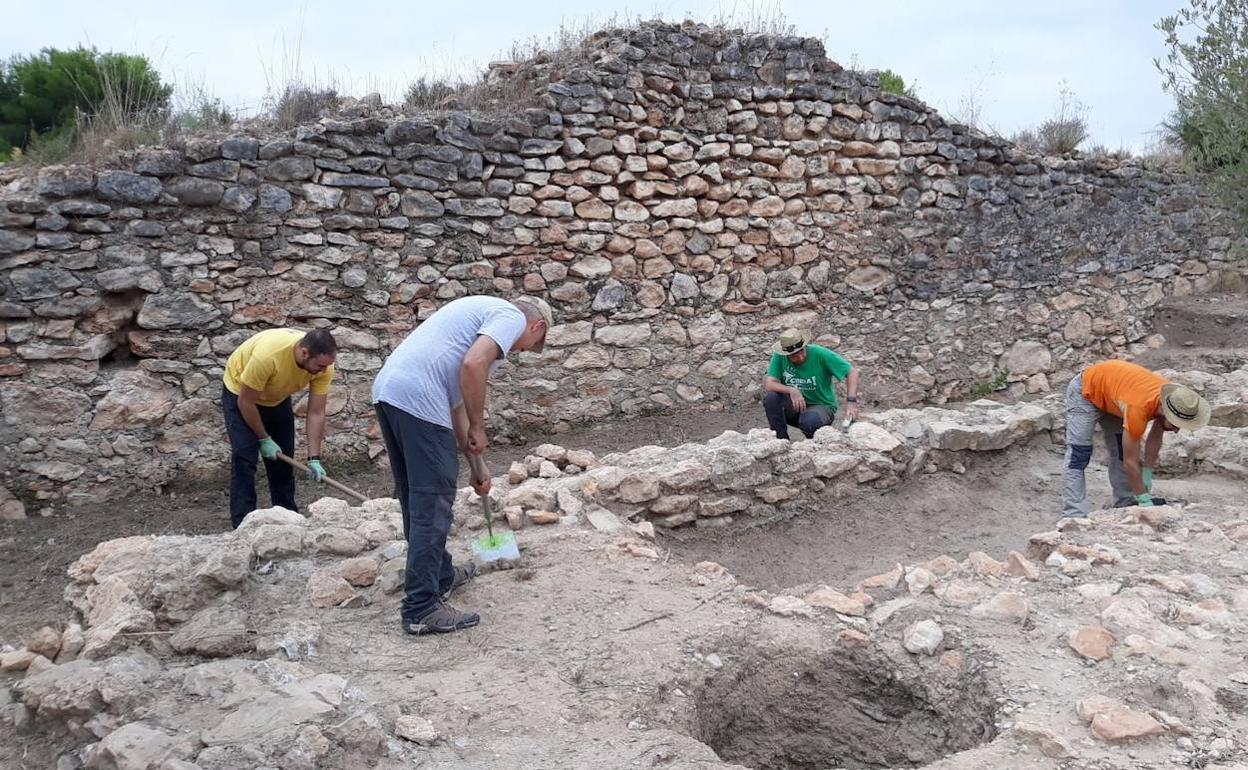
(442, 619)
(463, 574)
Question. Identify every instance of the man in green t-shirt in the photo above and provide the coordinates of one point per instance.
(799, 386)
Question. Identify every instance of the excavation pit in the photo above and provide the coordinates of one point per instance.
(788, 708)
(840, 536)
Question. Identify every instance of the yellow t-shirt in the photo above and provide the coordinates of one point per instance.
(266, 363)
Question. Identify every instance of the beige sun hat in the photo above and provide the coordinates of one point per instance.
(1183, 407)
(791, 341)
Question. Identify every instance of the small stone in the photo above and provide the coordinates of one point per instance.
(604, 520)
(1004, 606)
(72, 641)
(17, 660)
(919, 580)
(641, 551)
(1091, 642)
(923, 637)
(788, 606)
(46, 642)
(360, 571)
(850, 637)
(984, 565)
(337, 540)
(38, 665)
(887, 580)
(835, 601)
(1158, 516)
(517, 474)
(327, 589)
(416, 729)
(213, 632)
(542, 517)
(1113, 722)
(137, 746)
(1049, 743)
(1019, 565)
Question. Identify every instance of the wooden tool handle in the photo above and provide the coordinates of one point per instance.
(477, 464)
(479, 474)
(336, 485)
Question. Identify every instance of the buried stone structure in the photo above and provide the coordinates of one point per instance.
(1091, 645)
(678, 193)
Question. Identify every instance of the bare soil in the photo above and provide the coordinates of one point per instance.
(35, 552)
(1205, 332)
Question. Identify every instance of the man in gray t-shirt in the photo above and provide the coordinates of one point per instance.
(430, 402)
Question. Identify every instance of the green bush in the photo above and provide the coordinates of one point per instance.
(1206, 69)
(51, 94)
(893, 83)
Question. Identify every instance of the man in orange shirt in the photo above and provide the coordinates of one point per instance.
(1124, 398)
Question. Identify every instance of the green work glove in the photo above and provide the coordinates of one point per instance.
(316, 471)
(269, 448)
(1148, 479)
(1144, 501)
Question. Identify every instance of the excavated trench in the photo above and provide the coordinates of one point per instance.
(798, 708)
(838, 537)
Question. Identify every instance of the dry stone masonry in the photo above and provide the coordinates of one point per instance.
(678, 193)
(754, 475)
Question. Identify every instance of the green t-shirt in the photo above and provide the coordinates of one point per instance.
(813, 377)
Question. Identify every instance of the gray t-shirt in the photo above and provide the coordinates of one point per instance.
(421, 376)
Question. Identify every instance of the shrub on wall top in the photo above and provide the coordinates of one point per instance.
(50, 94)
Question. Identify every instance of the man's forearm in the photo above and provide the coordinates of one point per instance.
(772, 385)
(1135, 473)
(316, 431)
(1152, 446)
(472, 384)
(459, 422)
(251, 416)
(851, 383)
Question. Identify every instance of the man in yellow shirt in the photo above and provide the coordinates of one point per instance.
(260, 377)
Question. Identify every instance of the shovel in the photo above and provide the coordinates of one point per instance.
(491, 547)
(346, 490)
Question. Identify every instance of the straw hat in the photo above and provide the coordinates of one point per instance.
(791, 341)
(1183, 407)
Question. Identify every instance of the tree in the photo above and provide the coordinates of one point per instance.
(47, 94)
(893, 83)
(1206, 69)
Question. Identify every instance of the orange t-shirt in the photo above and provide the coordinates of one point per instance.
(1124, 389)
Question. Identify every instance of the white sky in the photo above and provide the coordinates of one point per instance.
(1010, 56)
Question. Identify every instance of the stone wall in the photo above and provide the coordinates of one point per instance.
(678, 193)
(755, 475)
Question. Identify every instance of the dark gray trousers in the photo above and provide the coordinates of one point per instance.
(424, 459)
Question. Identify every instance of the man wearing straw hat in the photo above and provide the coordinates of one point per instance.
(430, 403)
(1124, 398)
(801, 385)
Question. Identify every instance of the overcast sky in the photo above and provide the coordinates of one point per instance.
(1010, 58)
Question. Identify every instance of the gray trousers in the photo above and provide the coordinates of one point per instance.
(1082, 417)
